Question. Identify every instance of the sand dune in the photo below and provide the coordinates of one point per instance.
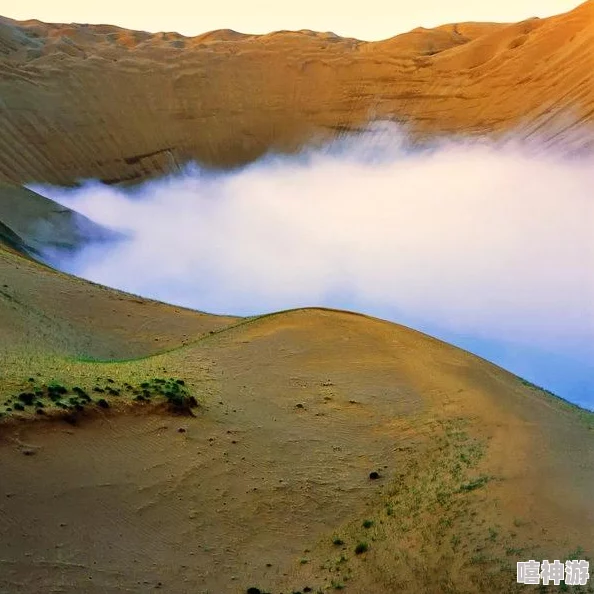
(100, 101)
(329, 450)
(43, 311)
(268, 484)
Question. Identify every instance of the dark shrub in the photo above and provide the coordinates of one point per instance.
(102, 403)
(181, 403)
(27, 398)
(56, 389)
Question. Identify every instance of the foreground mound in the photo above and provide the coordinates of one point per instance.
(328, 450)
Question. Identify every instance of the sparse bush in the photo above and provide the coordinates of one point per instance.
(102, 403)
(56, 389)
(361, 548)
(27, 398)
(178, 397)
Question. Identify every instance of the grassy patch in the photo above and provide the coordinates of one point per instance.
(37, 396)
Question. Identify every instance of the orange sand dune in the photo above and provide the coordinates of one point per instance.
(100, 101)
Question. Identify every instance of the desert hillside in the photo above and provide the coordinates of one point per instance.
(327, 450)
(81, 101)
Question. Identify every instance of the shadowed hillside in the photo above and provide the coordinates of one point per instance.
(38, 226)
(83, 101)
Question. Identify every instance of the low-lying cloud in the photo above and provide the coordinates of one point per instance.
(489, 246)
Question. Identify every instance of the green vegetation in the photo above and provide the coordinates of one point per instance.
(69, 400)
(438, 514)
(361, 548)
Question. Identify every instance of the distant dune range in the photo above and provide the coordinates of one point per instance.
(86, 101)
(329, 450)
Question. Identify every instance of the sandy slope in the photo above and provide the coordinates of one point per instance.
(99, 101)
(297, 409)
(477, 469)
(44, 311)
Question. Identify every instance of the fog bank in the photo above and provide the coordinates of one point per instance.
(489, 246)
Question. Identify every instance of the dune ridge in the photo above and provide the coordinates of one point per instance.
(96, 101)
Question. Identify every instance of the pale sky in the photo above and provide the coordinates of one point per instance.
(365, 19)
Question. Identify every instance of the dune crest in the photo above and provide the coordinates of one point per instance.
(97, 101)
